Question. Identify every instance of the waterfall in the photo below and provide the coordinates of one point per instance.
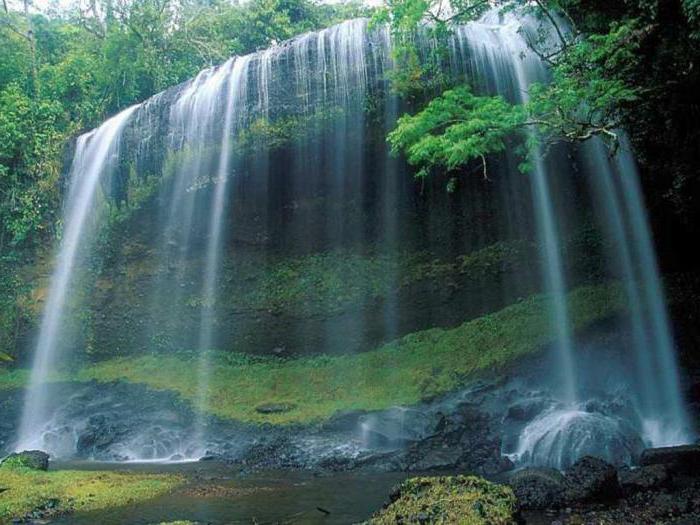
(223, 189)
(95, 153)
(502, 59)
(235, 87)
(560, 436)
(665, 419)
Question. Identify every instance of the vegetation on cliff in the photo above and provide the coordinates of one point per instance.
(594, 86)
(416, 367)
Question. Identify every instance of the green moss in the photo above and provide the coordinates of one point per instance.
(19, 461)
(416, 367)
(13, 378)
(75, 491)
(329, 282)
(463, 500)
(413, 368)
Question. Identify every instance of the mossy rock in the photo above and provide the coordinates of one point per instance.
(464, 500)
(29, 459)
(274, 408)
(39, 495)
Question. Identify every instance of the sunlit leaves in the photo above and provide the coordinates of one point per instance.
(456, 128)
(588, 89)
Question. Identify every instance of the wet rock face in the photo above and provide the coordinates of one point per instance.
(641, 479)
(682, 459)
(593, 491)
(100, 433)
(31, 459)
(466, 439)
(538, 488)
(591, 478)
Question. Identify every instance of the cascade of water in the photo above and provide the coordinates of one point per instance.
(236, 88)
(502, 60)
(338, 70)
(657, 384)
(95, 154)
(502, 64)
(664, 418)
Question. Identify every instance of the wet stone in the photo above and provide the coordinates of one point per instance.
(275, 408)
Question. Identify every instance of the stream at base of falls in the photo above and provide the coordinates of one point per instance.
(216, 494)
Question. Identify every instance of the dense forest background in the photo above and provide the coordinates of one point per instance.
(64, 70)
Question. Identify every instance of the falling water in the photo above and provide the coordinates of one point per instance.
(235, 87)
(665, 420)
(560, 435)
(195, 130)
(95, 153)
(502, 58)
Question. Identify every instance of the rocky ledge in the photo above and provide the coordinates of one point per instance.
(665, 488)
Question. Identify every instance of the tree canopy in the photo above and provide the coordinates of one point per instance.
(593, 60)
(67, 70)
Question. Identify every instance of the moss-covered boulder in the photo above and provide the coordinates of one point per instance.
(464, 500)
(29, 459)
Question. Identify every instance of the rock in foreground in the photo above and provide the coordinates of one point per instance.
(683, 458)
(449, 499)
(31, 459)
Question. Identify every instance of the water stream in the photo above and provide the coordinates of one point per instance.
(96, 153)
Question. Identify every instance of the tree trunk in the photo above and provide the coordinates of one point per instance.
(33, 88)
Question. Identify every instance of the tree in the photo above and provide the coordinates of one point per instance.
(589, 88)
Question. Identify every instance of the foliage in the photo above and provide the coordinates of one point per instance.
(66, 491)
(454, 129)
(416, 367)
(419, 71)
(268, 135)
(65, 71)
(588, 89)
(29, 139)
(466, 500)
(691, 8)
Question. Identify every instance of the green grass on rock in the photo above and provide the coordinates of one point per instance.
(24, 490)
(413, 368)
(453, 500)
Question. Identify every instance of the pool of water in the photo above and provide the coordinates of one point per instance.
(218, 495)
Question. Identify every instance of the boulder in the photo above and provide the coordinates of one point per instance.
(99, 434)
(31, 459)
(681, 459)
(525, 410)
(592, 479)
(538, 487)
(643, 478)
(448, 499)
(432, 454)
(274, 408)
(467, 439)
